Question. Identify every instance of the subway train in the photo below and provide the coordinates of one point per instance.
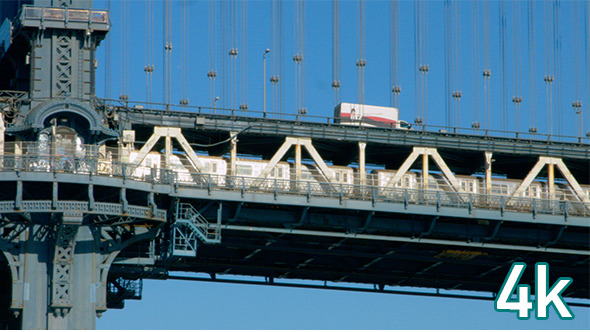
(347, 179)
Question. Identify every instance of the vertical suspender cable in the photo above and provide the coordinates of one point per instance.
(361, 62)
(576, 67)
(184, 82)
(212, 47)
(222, 49)
(167, 52)
(475, 63)
(124, 50)
(457, 63)
(416, 62)
(244, 57)
(233, 53)
(277, 55)
(395, 87)
(421, 51)
(557, 64)
(336, 50)
(425, 64)
(531, 51)
(548, 67)
(281, 56)
(503, 59)
(298, 58)
(517, 99)
(487, 73)
(447, 63)
(586, 60)
(148, 52)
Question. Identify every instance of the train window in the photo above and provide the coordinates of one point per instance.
(468, 186)
(532, 191)
(345, 177)
(244, 170)
(272, 173)
(500, 189)
(306, 176)
(407, 181)
(337, 174)
(214, 166)
(280, 171)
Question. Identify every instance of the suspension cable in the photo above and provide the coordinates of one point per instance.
(531, 51)
(361, 62)
(336, 50)
(517, 99)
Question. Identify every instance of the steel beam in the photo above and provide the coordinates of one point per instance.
(488, 171)
(425, 152)
(362, 169)
(169, 132)
(317, 131)
(551, 162)
(404, 239)
(290, 141)
(233, 153)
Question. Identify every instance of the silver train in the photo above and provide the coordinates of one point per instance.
(347, 179)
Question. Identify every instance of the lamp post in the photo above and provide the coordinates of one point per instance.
(264, 81)
(215, 102)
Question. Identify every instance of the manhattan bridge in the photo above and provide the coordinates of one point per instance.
(100, 194)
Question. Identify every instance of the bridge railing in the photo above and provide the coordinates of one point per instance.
(98, 165)
(142, 107)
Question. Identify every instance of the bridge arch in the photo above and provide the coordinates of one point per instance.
(81, 117)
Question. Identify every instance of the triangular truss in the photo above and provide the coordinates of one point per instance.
(551, 162)
(168, 133)
(289, 142)
(432, 153)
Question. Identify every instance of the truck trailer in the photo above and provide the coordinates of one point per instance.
(369, 116)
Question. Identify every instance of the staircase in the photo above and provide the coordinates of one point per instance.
(189, 227)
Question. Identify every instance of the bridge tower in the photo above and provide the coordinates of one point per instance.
(57, 247)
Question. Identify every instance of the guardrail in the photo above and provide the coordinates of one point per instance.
(276, 187)
(161, 108)
(64, 14)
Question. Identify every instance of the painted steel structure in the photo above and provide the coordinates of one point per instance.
(97, 195)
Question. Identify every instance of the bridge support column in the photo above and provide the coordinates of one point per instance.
(297, 162)
(233, 153)
(58, 273)
(424, 172)
(551, 180)
(488, 170)
(362, 169)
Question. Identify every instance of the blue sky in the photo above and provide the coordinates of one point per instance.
(194, 305)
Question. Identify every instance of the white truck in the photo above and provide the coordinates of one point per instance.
(369, 116)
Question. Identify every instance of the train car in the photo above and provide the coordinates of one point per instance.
(311, 179)
(381, 177)
(214, 169)
(344, 177)
(564, 192)
(150, 167)
(247, 170)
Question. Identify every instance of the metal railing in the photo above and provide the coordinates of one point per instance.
(64, 14)
(94, 164)
(162, 108)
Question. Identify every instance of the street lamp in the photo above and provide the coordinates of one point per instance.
(264, 81)
(215, 101)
